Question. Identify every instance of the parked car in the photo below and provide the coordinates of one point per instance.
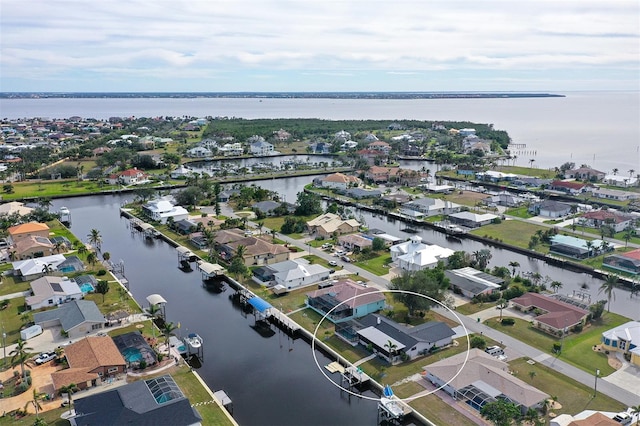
(333, 263)
(45, 357)
(345, 259)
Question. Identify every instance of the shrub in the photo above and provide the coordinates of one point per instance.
(478, 342)
(508, 321)
(29, 380)
(16, 373)
(28, 373)
(577, 328)
(557, 347)
(143, 364)
(101, 272)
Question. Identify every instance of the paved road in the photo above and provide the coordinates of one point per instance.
(616, 392)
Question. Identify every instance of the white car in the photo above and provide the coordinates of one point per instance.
(45, 357)
(333, 263)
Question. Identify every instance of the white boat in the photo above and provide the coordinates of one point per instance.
(64, 210)
(193, 340)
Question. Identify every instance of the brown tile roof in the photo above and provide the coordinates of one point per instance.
(93, 352)
(558, 314)
(606, 214)
(71, 375)
(596, 419)
(255, 246)
(340, 177)
(570, 185)
(28, 227)
(228, 235)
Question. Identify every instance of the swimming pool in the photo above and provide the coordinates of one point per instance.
(87, 288)
(132, 355)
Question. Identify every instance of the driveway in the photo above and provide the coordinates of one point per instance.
(41, 382)
(628, 377)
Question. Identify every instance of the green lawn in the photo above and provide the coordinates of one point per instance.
(11, 320)
(472, 308)
(378, 265)
(573, 396)
(577, 348)
(514, 232)
(521, 212)
(51, 417)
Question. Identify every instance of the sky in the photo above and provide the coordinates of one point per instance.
(317, 46)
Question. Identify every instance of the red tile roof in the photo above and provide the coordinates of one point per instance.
(558, 314)
(570, 185)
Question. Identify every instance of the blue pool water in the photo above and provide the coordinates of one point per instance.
(132, 355)
(87, 288)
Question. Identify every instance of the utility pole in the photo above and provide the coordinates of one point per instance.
(595, 385)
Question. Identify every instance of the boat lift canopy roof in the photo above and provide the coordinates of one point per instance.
(210, 268)
(155, 299)
(146, 226)
(259, 304)
(183, 250)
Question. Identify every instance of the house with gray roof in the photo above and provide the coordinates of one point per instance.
(429, 206)
(471, 282)
(290, 274)
(472, 220)
(478, 378)
(550, 208)
(393, 341)
(50, 291)
(267, 207)
(77, 318)
(157, 401)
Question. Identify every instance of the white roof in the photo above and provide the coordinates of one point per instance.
(427, 256)
(34, 266)
(474, 216)
(629, 331)
(379, 338)
(155, 299)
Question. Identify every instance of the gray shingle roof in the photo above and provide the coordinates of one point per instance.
(72, 314)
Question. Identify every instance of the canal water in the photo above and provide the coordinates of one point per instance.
(272, 381)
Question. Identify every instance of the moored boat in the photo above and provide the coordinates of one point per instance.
(193, 340)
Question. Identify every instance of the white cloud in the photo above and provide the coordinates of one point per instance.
(197, 37)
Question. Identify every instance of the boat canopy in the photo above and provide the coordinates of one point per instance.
(210, 268)
(259, 304)
(155, 299)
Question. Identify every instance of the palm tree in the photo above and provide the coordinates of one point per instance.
(514, 264)
(240, 251)
(615, 171)
(106, 256)
(47, 269)
(502, 304)
(20, 354)
(635, 411)
(37, 397)
(70, 389)
(154, 312)
(95, 238)
(391, 347)
(589, 245)
(167, 331)
(608, 287)
(556, 285)
(532, 374)
(91, 258)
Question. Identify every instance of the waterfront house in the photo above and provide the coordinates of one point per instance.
(299, 273)
(613, 194)
(256, 251)
(162, 209)
(281, 135)
(355, 241)
(155, 401)
(91, 361)
(414, 255)
(379, 146)
(342, 136)
(199, 152)
(552, 316)
(328, 224)
(624, 339)
(231, 149)
(77, 318)
(129, 177)
(620, 181)
(576, 248)
(340, 181)
(14, 207)
(550, 208)
(27, 230)
(185, 226)
(266, 207)
(597, 218)
(50, 291)
(392, 341)
(472, 282)
(182, 172)
(360, 193)
(261, 148)
(585, 173)
(346, 300)
(493, 176)
(472, 220)
(429, 207)
(478, 378)
(30, 269)
(505, 199)
(628, 262)
(568, 187)
(34, 246)
(379, 174)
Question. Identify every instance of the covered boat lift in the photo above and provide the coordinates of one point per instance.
(210, 270)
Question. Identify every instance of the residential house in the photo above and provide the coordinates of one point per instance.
(393, 341)
(342, 136)
(628, 262)
(388, 239)
(379, 146)
(577, 248)
(372, 156)
(345, 300)
(320, 147)
(410, 150)
(478, 378)
(370, 138)
(256, 251)
(27, 230)
(472, 220)
(162, 209)
(589, 418)
(355, 241)
(429, 207)
(585, 173)
(624, 339)
(91, 361)
(185, 226)
(505, 199)
(613, 194)
(261, 148)
(129, 177)
(34, 246)
(182, 172)
(153, 401)
(472, 282)
(550, 208)
(14, 207)
(494, 176)
(410, 178)
(77, 318)
(226, 195)
(340, 181)
(360, 193)
(299, 273)
(266, 207)
(620, 181)
(231, 149)
(30, 269)
(378, 174)
(568, 187)
(329, 224)
(281, 135)
(414, 255)
(556, 317)
(51, 291)
(199, 152)
(618, 221)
